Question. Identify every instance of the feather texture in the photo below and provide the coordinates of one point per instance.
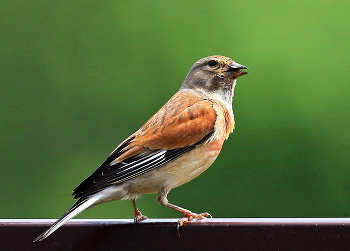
(164, 137)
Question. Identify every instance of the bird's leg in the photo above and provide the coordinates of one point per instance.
(138, 216)
(188, 215)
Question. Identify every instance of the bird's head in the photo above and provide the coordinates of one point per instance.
(214, 74)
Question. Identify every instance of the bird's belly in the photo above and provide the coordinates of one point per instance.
(176, 172)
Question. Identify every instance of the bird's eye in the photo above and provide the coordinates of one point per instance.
(212, 63)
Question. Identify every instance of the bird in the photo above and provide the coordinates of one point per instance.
(178, 143)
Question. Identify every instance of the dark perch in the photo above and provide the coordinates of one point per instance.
(161, 234)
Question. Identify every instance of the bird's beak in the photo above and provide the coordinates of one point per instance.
(234, 70)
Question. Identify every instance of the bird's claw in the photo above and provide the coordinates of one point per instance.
(139, 217)
(189, 216)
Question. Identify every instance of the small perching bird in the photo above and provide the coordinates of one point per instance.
(174, 146)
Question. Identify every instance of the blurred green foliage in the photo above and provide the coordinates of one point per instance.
(78, 77)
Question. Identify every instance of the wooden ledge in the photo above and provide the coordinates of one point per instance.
(161, 234)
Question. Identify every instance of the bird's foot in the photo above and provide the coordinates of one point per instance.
(138, 216)
(189, 216)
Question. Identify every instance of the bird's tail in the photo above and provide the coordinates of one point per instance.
(77, 208)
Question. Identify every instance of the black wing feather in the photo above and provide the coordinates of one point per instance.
(108, 174)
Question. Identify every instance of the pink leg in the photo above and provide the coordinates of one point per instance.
(138, 216)
(188, 215)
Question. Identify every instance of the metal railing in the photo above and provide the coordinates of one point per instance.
(161, 234)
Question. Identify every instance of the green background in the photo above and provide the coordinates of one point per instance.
(78, 77)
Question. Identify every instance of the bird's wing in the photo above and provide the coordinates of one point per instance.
(178, 127)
